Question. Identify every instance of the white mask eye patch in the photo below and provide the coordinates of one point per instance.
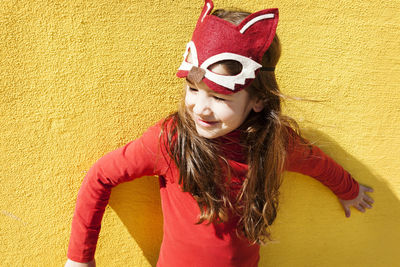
(195, 62)
(249, 67)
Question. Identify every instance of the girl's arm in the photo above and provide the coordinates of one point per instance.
(312, 161)
(71, 263)
(138, 158)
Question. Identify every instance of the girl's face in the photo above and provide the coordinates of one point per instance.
(215, 114)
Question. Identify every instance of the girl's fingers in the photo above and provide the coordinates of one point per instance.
(365, 205)
(346, 211)
(360, 208)
(368, 199)
(368, 189)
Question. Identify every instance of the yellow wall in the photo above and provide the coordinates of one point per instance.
(80, 78)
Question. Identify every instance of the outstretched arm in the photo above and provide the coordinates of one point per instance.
(310, 160)
(361, 202)
(136, 159)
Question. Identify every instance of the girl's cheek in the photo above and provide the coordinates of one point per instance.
(188, 100)
(224, 111)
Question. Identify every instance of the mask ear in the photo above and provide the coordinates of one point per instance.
(258, 105)
(208, 6)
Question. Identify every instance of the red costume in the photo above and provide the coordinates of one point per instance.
(184, 242)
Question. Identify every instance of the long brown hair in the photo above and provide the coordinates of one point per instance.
(203, 170)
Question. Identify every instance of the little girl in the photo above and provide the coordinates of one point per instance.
(220, 158)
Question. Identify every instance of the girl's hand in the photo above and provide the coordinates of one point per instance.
(71, 263)
(361, 202)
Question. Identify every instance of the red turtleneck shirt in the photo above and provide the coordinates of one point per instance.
(186, 243)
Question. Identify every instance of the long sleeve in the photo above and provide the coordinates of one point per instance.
(137, 158)
(312, 161)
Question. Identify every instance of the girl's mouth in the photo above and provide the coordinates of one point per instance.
(205, 123)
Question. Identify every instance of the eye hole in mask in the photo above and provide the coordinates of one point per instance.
(232, 67)
(189, 58)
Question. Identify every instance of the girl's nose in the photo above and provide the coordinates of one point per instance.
(202, 106)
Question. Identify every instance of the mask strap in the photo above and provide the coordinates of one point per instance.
(267, 68)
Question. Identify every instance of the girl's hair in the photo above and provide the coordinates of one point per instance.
(203, 170)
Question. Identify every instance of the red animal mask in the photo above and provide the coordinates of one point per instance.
(215, 39)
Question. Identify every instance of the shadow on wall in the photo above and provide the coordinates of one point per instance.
(323, 232)
(138, 205)
(312, 230)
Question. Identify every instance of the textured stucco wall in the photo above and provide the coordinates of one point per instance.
(80, 78)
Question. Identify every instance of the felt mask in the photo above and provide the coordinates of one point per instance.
(215, 39)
